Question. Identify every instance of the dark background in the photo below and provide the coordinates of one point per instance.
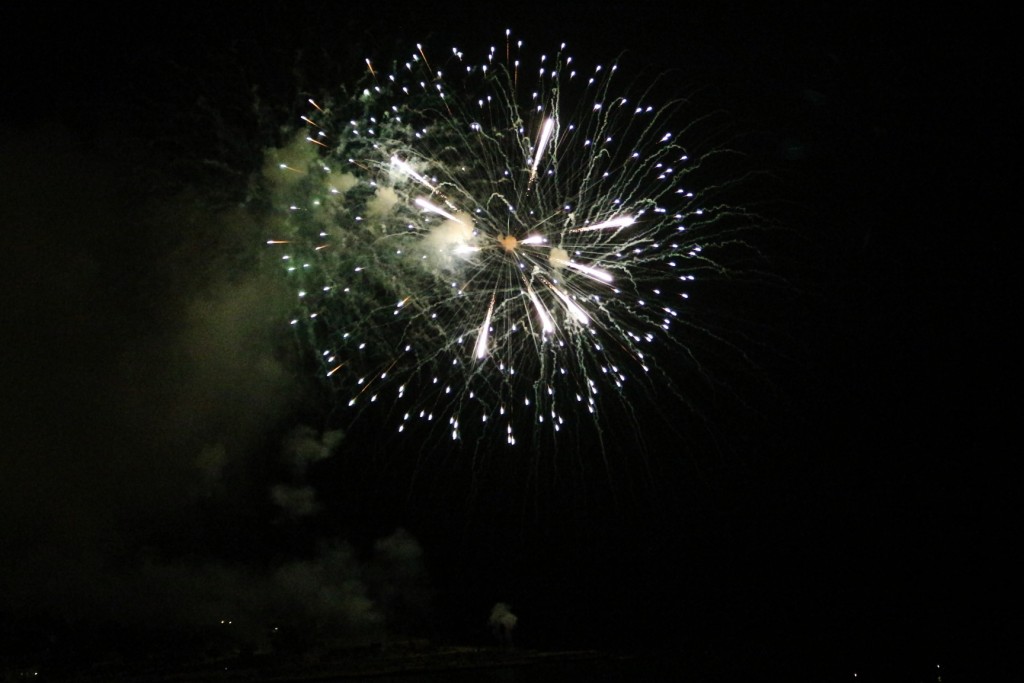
(858, 506)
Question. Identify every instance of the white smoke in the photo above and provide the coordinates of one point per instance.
(450, 242)
(295, 501)
(383, 201)
(302, 448)
(503, 622)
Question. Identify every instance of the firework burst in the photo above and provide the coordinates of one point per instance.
(500, 243)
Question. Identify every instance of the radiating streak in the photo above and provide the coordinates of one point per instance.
(480, 350)
(433, 208)
(595, 273)
(547, 325)
(542, 143)
(622, 222)
(574, 308)
(405, 168)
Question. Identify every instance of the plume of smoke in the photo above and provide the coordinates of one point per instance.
(121, 462)
(397, 576)
(295, 501)
(302, 448)
(502, 622)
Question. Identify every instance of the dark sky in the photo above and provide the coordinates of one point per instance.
(165, 455)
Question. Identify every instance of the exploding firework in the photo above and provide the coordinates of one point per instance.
(497, 245)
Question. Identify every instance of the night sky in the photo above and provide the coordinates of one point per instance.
(168, 459)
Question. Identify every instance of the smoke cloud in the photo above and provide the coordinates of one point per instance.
(147, 455)
(502, 622)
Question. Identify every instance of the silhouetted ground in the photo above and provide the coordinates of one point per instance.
(420, 662)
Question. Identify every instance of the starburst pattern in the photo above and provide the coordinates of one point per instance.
(499, 242)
